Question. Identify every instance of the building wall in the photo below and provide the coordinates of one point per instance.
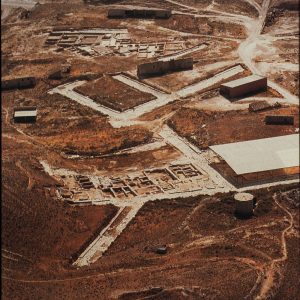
(18, 83)
(116, 13)
(244, 208)
(244, 89)
(29, 119)
(253, 178)
(163, 14)
(162, 67)
(279, 120)
(271, 174)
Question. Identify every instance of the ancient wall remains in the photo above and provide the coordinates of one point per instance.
(18, 83)
(162, 67)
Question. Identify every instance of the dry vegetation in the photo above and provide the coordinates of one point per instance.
(44, 230)
(175, 81)
(180, 224)
(114, 94)
(103, 139)
(203, 128)
(70, 127)
(237, 6)
(203, 25)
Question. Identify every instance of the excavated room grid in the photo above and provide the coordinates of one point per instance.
(98, 42)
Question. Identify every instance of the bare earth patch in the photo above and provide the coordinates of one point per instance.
(114, 94)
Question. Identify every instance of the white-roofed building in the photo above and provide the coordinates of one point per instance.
(25, 114)
(256, 159)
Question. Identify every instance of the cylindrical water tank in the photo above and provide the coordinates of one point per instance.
(244, 204)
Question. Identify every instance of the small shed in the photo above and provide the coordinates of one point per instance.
(25, 114)
(161, 250)
(142, 13)
(279, 120)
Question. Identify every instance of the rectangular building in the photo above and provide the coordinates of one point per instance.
(25, 114)
(139, 13)
(162, 67)
(279, 120)
(244, 86)
(18, 83)
(261, 155)
(259, 160)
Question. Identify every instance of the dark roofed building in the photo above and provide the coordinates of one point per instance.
(139, 13)
(279, 120)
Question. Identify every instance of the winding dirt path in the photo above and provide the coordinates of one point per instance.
(269, 282)
(31, 181)
(247, 50)
(248, 262)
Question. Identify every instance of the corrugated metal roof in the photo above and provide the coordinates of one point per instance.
(261, 155)
(242, 81)
(25, 113)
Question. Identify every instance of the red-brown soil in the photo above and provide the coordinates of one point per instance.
(173, 82)
(289, 80)
(199, 253)
(44, 230)
(113, 93)
(290, 271)
(211, 254)
(203, 25)
(229, 127)
(101, 140)
(70, 127)
(235, 6)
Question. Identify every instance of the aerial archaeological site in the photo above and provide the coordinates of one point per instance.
(150, 149)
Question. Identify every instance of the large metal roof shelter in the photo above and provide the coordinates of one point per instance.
(261, 155)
